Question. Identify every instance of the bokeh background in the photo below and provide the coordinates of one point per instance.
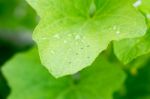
(17, 21)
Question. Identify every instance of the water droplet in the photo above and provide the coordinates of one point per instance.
(148, 16)
(77, 37)
(69, 35)
(52, 52)
(65, 41)
(118, 32)
(82, 41)
(56, 36)
(114, 27)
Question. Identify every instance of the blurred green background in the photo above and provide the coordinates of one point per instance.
(17, 21)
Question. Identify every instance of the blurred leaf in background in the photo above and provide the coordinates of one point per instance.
(17, 20)
(137, 85)
(30, 80)
(16, 14)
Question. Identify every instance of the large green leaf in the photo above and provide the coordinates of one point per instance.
(129, 49)
(72, 33)
(28, 79)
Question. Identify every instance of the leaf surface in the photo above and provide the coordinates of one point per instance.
(28, 79)
(129, 49)
(72, 33)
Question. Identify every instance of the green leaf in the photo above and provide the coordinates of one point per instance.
(72, 33)
(145, 97)
(16, 15)
(28, 79)
(145, 8)
(138, 86)
(129, 49)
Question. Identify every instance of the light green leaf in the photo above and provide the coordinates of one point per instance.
(28, 79)
(145, 8)
(129, 49)
(72, 33)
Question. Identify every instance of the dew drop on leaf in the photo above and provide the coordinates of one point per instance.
(77, 37)
(52, 52)
(65, 41)
(148, 16)
(56, 36)
(118, 32)
(69, 35)
(114, 27)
